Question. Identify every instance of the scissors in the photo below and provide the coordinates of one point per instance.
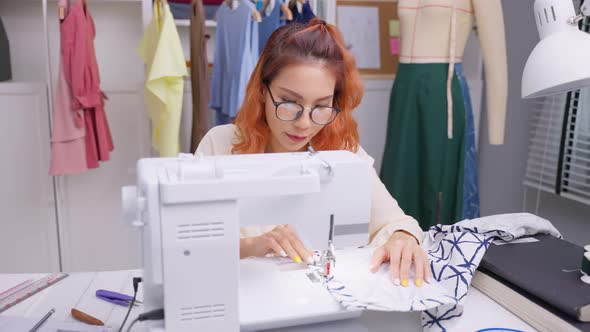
(116, 298)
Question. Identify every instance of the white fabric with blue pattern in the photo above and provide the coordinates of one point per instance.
(454, 251)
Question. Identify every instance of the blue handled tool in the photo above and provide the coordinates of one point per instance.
(116, 298)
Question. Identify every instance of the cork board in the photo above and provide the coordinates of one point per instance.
(388, 27)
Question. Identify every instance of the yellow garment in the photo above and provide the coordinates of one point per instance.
(161, 51)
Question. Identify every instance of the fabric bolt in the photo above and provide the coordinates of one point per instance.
(5, 67)
(82, 75)
(422, 168)
(236, 54)
(268, 25)
(386, 216)
(200, 87)
(454, 253)
(470, 184)
(161, 51)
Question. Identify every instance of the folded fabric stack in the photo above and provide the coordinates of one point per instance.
(181, 9)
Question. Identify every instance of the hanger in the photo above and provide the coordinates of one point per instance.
(256, 15)
(61, 12)
(288, 13)
(159, 5)
(264, 5)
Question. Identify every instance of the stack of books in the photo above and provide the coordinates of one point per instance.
(539, 281)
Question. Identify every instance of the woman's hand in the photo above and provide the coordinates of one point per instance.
(402, 250)
(281, 241)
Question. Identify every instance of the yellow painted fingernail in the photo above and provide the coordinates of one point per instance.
(297, 259)
(405, 283)
(419, 282)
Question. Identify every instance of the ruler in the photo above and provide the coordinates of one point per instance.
(27, 289)
(14, 289)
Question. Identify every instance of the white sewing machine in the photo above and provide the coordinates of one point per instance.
(190, 210)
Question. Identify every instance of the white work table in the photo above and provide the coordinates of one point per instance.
(78, 291)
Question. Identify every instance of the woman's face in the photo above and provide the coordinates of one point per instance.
(310, 85)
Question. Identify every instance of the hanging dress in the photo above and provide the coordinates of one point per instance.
(81, 73)
(68, 149)
(162, 53)
(429, 164)
(236, 55)
(470, 179)
(268, 25)
(304, 16)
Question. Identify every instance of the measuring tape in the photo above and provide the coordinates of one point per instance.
(585, 268)
(27, 289)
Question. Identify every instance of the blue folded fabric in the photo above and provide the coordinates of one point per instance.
(210, 11)
(180, 11)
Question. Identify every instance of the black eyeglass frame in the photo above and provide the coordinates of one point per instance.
(302, 109)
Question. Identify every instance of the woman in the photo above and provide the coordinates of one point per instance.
(302, 92)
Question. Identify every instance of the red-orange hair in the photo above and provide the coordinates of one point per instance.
(295, 44)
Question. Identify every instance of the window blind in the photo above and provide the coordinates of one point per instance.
(559, 143)
(545, 143)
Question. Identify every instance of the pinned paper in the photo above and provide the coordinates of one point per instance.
(393, 28)
(394, 45)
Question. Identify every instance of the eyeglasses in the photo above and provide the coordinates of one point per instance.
(291, 111)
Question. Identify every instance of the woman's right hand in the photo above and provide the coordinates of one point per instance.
(281, 241)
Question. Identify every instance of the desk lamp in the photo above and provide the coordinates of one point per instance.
(561, 60)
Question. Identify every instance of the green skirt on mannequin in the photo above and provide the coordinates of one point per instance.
(422, 168)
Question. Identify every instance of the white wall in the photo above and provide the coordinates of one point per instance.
(502, 167)
(92, 234)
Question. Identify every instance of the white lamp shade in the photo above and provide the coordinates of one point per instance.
(561, 60)
(559, 63)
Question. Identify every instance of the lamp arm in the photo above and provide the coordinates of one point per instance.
(584, 12)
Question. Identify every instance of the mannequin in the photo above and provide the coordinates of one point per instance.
(429, 164)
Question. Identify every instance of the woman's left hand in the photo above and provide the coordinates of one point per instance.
(402, 250)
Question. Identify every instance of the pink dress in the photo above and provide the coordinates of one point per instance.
(81, 73)
(68, 147)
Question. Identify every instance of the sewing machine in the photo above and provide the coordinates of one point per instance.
(190, 210)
